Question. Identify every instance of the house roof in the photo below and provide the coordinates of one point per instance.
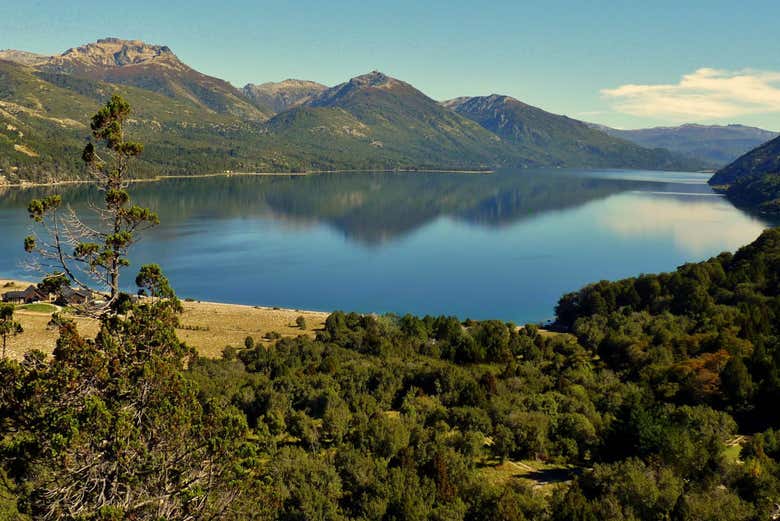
(67, 292)
(31, 291)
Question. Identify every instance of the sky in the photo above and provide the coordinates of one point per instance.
(623, 63)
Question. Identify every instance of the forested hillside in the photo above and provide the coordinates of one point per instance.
(753, 180)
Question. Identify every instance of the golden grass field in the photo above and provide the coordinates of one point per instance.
(206, 326)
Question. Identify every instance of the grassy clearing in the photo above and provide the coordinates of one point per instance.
(209, 326)
(734, 447)
(206, 326)
(539, 475)
(732, 453)
(38, 308)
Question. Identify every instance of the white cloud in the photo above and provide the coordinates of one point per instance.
(703, 94)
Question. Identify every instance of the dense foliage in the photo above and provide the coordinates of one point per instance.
(761, 192)
(638, 413)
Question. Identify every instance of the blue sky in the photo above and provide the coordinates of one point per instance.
(624, 63)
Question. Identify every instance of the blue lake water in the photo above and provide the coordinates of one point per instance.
(505, 245)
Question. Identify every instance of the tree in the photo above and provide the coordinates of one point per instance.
(84, 253)
(8, 326)
(112, 429)
(300, 322)
(52, 284)
(503, 442)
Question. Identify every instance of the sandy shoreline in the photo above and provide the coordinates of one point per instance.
(207, 326)
(159, 178)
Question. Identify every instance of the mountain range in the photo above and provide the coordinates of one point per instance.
(194, 123)
(718, 145)
(560, 140)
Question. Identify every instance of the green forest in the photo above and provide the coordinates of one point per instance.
(630, 415)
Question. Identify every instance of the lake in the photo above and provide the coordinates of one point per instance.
(505, 245)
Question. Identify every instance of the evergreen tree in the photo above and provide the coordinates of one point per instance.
(94, 255)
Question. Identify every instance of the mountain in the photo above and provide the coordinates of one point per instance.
(280, 96)
(151, 67)
(715, 144)
(392, 125)
(562, 141)
(753, 180)
(22, 57)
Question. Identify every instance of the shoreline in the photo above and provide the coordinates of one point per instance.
(207, 326)
(159, 178)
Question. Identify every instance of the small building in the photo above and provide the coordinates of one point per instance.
(73, 297)
(28, 296)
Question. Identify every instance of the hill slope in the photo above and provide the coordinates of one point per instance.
(716, 144)
(754, 179)
(562, 140)
(761, 160)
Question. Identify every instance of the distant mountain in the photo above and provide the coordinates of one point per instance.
(151, 67)
(282, 95)
(753, 180)
(23, 57)
(716, 144)
(562, 141)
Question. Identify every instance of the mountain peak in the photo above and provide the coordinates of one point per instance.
(481, 103)
(115, 52)
(372, 81)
